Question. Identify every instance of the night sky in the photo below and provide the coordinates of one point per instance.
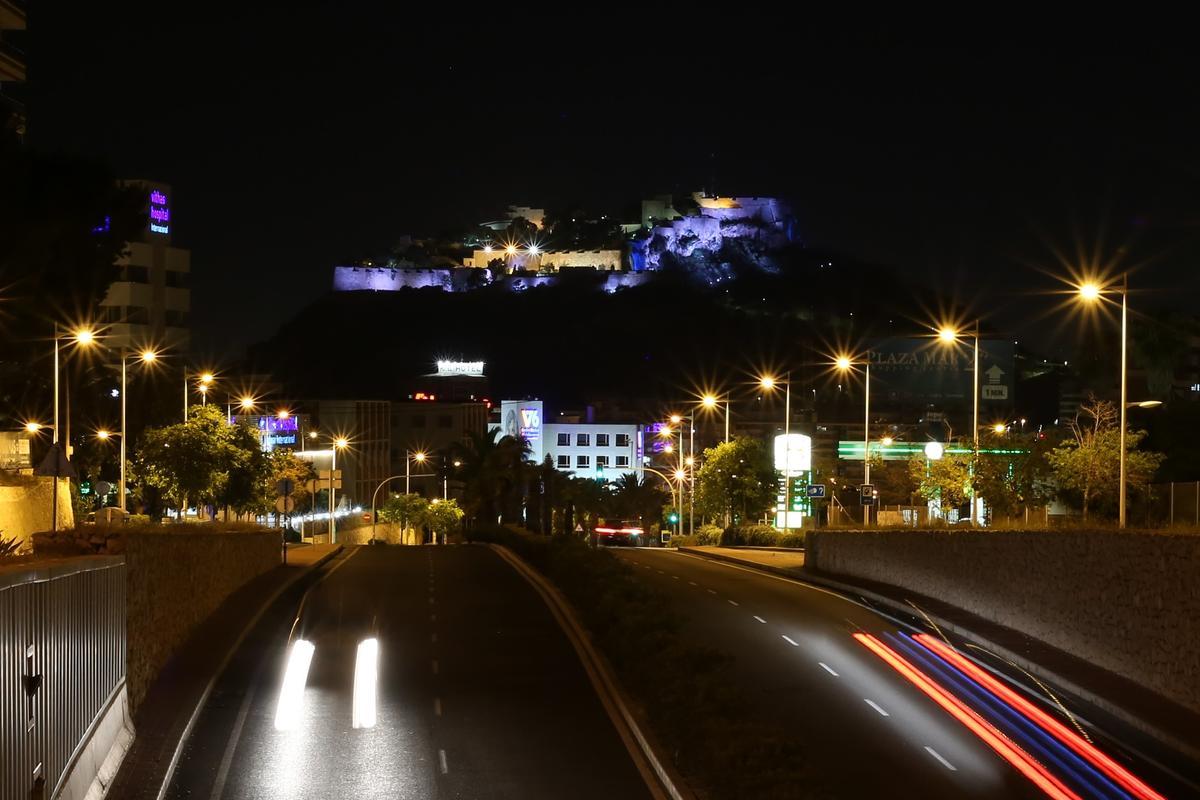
(302, 136)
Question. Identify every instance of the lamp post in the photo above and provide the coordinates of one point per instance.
(949, 335)
(409, 457)
(82, 337)
(147, 357)
(768, 382)
(1091, 292)
(688, 461)
(204, 379)
(340, 443)
(844, 364)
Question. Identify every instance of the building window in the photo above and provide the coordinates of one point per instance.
(176, 280)
(601, 461)
(601, 440)
(137, 316)
(564, 440)
(176, 319)
(622, 440)
(583, 439)
(135, 274)
(564, 462)
(583, 461)
(622, 461)
(418, 421)
(445, 421)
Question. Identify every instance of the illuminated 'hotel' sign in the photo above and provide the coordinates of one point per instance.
(160, 212)
(473, 369)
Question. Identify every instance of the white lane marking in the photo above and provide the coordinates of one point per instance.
(433, 617)
(437, 706)
(227, 758)
(733, 602)
(660, 572)
(791, 641)
(433, 638)
(760, 619)
(435, 672)
(431, 601)
(938, 756)
(876, 706)
(676, 577)
(693, 583)
(827, 668)
(711, 591)
(442, 761)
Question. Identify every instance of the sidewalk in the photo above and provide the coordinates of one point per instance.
(1124, 700)
(167, 710)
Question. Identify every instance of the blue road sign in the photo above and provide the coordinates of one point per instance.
(816, 490)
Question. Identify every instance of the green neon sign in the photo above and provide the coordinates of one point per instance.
(902, 451)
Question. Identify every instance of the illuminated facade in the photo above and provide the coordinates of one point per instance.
(150, 302)
(597, 450)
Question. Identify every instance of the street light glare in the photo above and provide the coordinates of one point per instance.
(207, 378)
(887, 441)
(767, 382)
(1090, 291)
(247, 403)
(511, 250)
(676, 419)
(689, 461)
(33, 427)
(999, 427)
(948, 334)
(533, 249)
(680, 474)
(102, 434)
(284, 413)
(149, 355)
(341, 443)
(85, 336)
(708, 401)
(420, 457)
(843, 363)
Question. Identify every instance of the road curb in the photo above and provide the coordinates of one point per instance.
(301, 572)
(662, 780)
(849, 590)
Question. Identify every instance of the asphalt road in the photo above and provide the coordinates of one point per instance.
(479, 694)
(871, 731)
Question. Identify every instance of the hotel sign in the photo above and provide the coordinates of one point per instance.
(472, 369)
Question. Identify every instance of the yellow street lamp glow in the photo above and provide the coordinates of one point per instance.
(149, 355)
(284, 413)
(85, 336)
(680, 475)
(102, 434)
(767, 383)
(676, 419)
(419, 457)
(842, 363)
(33, 427)
(689, 461)
(510, 250)
(247, 403)
(312, 434)
(665, 431)
(1090, 291)
(708, 401)
(341, 443)
(886, 441)
(669, 449)
(487, 248)
(999, 427)
(206, 378)
(948, 334)
(203, 389)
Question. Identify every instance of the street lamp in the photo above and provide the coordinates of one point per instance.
(677, 419)
(82, 337)
(203, 381)
(845, 364)
(146, 357)
(999, 428)
(949, 335)
(1092, 292)
(769, 382)
(410, 457)
(340, 443)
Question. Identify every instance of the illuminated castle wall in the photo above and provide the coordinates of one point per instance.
(461, 279)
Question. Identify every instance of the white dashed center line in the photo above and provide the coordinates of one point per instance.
(733, 602)
(791, 641)
(442, 761)
(938, 756)
(760, 619)
(693, 583)
(435, 667)
(711, 591)
(827, 668)
(437, 706)
(876, 706)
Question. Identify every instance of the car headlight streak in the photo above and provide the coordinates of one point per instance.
(291, 693)
(366, 677)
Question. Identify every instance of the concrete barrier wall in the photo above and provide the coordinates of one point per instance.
(1127, 602)
(26, 503)
(175, 580)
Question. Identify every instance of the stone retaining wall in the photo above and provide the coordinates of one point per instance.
(175, 580)
(1127, 602)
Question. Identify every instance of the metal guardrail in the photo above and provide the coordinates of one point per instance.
(62, 658)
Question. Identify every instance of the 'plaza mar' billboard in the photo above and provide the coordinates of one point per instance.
(930, 371)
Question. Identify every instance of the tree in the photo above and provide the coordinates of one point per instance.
(737, 479)
(406, 510)
(1009, 482)
(1086, 466)
(493, 474)
(638, 498)
(946, 480)
(442, 516)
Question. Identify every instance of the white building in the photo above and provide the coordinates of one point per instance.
(149, 303)
(586, 449)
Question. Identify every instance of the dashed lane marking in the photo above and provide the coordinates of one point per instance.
(876, 706)
(760, 619)
(939, 757)
(827, 668)
(442, 761)
(733, 602)
(791, 641)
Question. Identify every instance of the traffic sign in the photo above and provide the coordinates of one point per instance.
(324, 475)
(666, 537)
(312, 486)
(867, 494)
(285, 505)
(815, 490)
(103, 488)
(285, 487)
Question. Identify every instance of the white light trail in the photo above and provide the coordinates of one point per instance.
(291, 693)
(366, 676)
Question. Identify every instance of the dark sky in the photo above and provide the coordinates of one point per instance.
(298, 136)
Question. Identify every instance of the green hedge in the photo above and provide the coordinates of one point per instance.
(694, 704)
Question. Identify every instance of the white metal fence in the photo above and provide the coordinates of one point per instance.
(62, 661)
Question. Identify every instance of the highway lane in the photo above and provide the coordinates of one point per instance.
(479, 693)
(871, 730)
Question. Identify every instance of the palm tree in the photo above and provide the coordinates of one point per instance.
(493, 474)
(635, 497)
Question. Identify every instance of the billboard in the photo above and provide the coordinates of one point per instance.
(793, 453)
(926, 370)
(523, 419)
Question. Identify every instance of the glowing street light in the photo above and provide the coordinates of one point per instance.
(85, 336)
(1091, 292)
(33, 427)
(769, 382)
(999, 428)
(146, 356)
(710, 402)
(533, 249)
(887, 441)
(283, 413)
(339, 443)
(247, 403)
(948, 335)
(680, 475)
(844, 363)
(103, 434)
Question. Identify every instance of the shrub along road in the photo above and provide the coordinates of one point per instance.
(867, 730)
